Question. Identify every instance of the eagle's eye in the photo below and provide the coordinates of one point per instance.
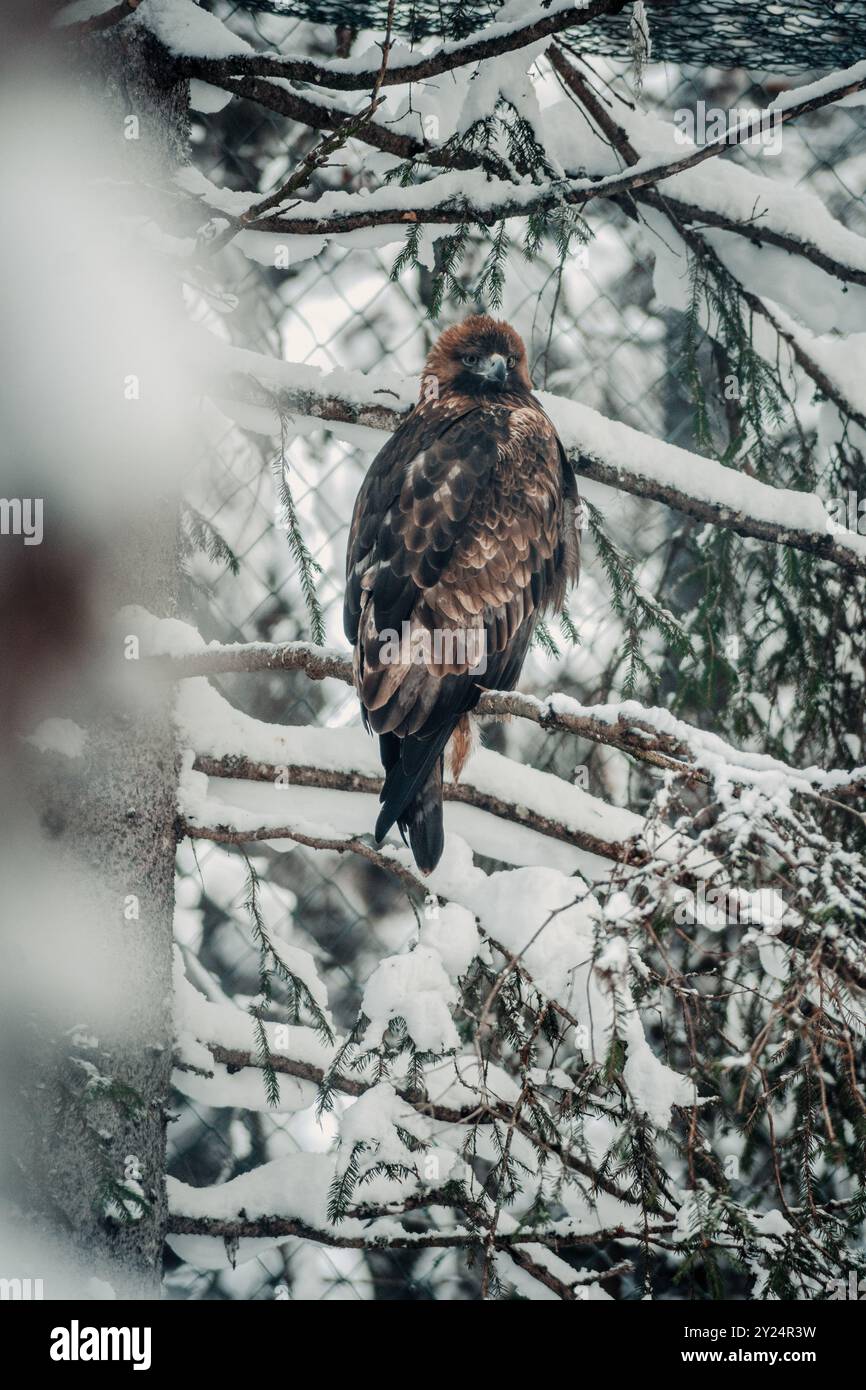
(512, 361)
(470, 359)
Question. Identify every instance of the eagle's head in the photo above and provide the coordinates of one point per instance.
(480, 356)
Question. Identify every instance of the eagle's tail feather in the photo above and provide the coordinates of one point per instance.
(422, 820)
(412, 793)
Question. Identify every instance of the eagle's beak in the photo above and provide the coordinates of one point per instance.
(493, 368)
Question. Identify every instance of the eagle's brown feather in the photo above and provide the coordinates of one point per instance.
(463, 533)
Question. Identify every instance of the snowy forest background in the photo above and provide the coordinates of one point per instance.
(614, 1047)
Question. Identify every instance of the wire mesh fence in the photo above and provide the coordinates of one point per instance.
(595, 332)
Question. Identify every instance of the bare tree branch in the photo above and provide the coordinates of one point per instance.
(98, 22)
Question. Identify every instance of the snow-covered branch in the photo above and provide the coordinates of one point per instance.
(553, 714)
(358, 73)
(765, 217)
(239, 758)
(448, 1092)
(453, 198)
(465, 792)
(605, 450)
(320, 113)
(461, 197)
(649, 734)
(346, 844)
(239, 1227)
(238, 1059)
(322, 764)
(766, 222)
(681, 215)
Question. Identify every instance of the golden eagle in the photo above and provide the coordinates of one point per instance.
(464, 533)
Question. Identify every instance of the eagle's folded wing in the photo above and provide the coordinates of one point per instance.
(461, 536)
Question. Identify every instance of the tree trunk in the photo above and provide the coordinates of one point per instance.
(87, 1067)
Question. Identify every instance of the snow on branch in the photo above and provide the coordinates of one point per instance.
(550, 939)
(313, 110)
(446, 1091)
(650, 734)
(232, 749)
(731, 197)
(197, 59)
(732, 200)
(95, 23)
(607, 451)
(215, 1064)
(322, 764)
(778, 224)
(466, 792)
(827, 957)
(295, 1196)
(387, 1234)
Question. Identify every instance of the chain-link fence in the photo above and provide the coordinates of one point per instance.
(595, 332)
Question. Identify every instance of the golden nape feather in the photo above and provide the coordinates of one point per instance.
(464, 533)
